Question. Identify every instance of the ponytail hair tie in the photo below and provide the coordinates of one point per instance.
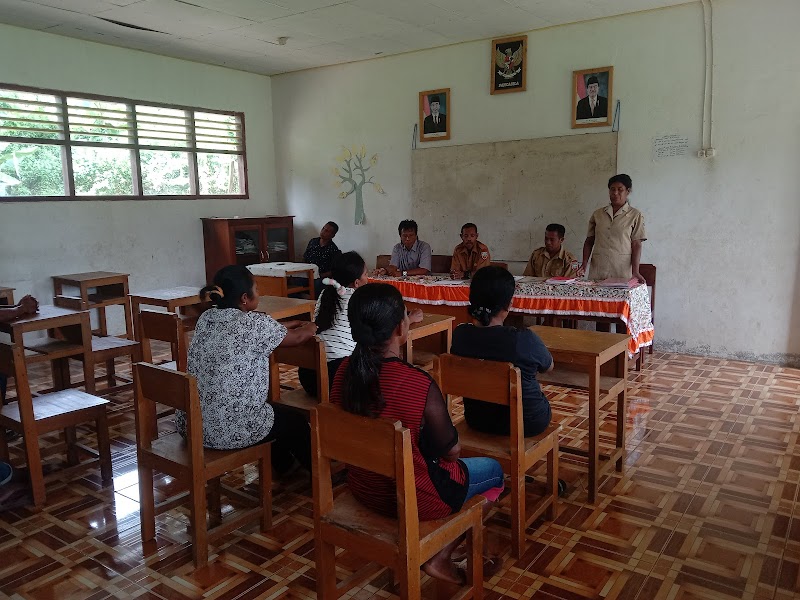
(334, 284)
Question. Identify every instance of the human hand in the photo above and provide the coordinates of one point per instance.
(28, 305)
(456, 274)
(580, 271)
(380, 271)
(415, 316)
(638, 277)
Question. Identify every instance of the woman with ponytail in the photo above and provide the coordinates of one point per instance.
(375, 382)
(229, 357)
(490, 293)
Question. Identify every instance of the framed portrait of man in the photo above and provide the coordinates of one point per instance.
(435, 115)
(509, 63)
(592, 97)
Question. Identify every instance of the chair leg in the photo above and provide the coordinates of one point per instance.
(3, 444)
(410, 581)
(213, 490)
(552, 479)
(198, 523)
(71, 438)
(326, 570)
(34, 458)
(111, 373)
(147, 509)
(265, 487)
(104, 446)
(518, 511)
(475, 557)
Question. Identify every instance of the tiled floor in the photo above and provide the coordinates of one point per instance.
(707, 508)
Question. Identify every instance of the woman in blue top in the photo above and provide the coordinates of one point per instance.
(490, 293)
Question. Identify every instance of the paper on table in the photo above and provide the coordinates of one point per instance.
(452, 282)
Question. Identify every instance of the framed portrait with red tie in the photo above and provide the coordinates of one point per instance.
(592, 97)
(435, 115)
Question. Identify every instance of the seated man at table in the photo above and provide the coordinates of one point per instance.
(552, 259)
(411, 256)
(321, 251)
(470, 255)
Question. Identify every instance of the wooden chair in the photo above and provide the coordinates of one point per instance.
(310, 355)
(189, 463)
(105, 349)
(402, 544)
(61, 410)
(648, 271)
(499, 383)
(382, 261)
(164, 327)
(499, 264)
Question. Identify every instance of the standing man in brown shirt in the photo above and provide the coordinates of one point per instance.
(552, 259)
(470, 255)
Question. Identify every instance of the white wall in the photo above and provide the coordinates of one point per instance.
(724, 233)
(159, 243)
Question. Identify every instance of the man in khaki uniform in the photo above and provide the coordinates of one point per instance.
(615, 236)
(552, 259)
(470, 255)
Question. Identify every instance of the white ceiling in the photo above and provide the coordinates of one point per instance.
(243, 34)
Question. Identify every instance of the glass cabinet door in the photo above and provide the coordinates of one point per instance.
(248, 245)
(278, 243)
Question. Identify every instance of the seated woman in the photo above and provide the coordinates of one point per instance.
(490, 293)
(229, 357)
(348, 273)
(375, 382)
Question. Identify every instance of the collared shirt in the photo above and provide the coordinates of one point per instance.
(320, 255)
(613, 234)
(541, 264)
(592, 103)
(419, 257)
(470, 261)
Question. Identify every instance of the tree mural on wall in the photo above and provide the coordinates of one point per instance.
(353, 173)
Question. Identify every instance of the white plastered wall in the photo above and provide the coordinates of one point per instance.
(724, 233)
(159, 243)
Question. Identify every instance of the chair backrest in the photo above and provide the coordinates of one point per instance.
(376, 445)
(499, 264)
(165, 327)
(648, 271)
(441, 263)
(156, 385)
(382, 261)
(486, 380)
(309, 355)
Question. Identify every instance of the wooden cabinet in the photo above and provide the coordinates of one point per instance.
(246, 241)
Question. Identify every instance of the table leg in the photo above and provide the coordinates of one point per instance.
(128, 317)
(594, 432)
(136, 324)
(622, 405)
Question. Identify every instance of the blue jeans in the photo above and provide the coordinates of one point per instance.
(482, 474)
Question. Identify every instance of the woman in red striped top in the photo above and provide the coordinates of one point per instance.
(375, 382)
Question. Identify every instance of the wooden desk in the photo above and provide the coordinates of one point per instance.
(437, 327)
(279, 308)
(596, 362)
(7, 296)
(72, 332)
(178, 298)
(97, 290)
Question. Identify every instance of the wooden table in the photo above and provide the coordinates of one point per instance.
(72, 332)
(97, 290)
(275, 278)
(596, 362)
(179, 298)
(436, 328)
(279, 308)
(7, 296)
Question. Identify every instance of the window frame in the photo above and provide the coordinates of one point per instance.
(66, 145)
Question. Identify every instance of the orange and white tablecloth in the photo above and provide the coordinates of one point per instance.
(578, 299)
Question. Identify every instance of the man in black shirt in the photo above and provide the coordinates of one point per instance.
(321, 251)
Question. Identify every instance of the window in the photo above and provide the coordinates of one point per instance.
(60, 145)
